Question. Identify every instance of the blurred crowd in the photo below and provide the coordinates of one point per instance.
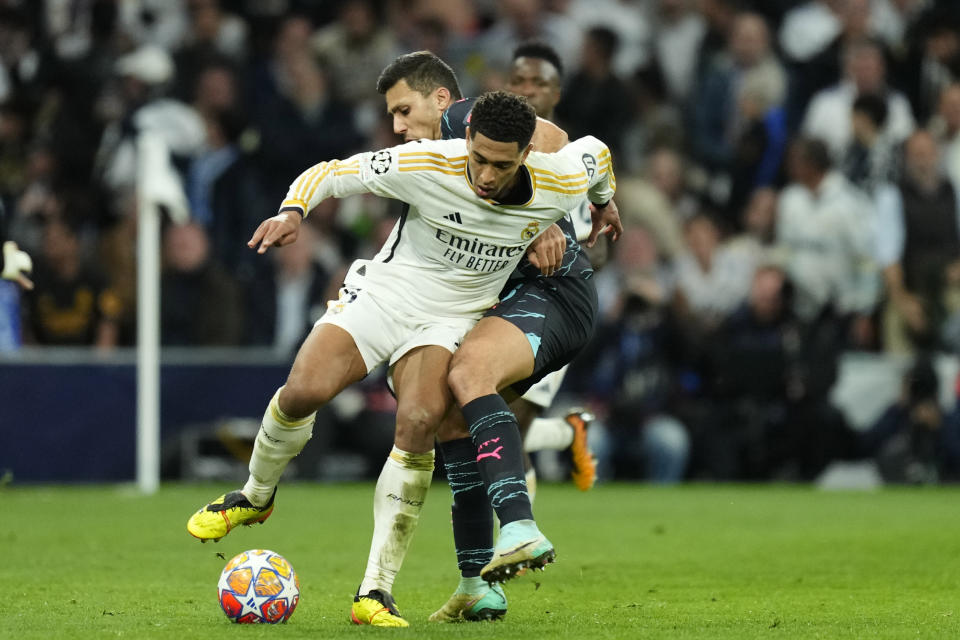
(788, 175)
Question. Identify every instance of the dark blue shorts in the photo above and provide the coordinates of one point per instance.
(558, 315)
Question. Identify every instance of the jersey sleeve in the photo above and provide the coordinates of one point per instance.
(376, 172)
(456, 118)
(594, 156)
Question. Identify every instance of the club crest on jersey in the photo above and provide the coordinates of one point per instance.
(590, 164)
(380, 162)
(530, 232)
(346, 296)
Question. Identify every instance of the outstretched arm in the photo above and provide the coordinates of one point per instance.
(335, 178)
(277, 231)
(369, 172)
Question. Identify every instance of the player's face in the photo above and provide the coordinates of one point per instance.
(538, 81)
(415, 115)
(493, 165)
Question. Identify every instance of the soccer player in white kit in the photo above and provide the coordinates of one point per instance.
(474, 206)
(556, 314)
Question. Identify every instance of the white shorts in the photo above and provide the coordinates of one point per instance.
(386, 333)
(543, 393)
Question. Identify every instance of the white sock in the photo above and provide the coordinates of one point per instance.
(279, 440)
(397, 502)
(552, 434)
(531, 477)
(471, 586)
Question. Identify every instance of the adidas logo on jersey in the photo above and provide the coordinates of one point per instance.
(454, 217)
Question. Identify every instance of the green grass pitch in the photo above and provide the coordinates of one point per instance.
(633, 562)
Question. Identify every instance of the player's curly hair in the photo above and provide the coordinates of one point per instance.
(503, 117)
(423, 71)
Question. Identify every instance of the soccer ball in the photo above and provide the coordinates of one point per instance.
(258, 586)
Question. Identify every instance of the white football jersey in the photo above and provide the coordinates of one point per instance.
(828, 239)
(450, 254)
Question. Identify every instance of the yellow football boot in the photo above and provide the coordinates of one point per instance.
(378, 609)
(224, 514)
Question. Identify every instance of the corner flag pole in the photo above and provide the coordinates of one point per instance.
(151, 152)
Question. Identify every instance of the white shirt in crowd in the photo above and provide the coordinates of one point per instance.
(830, 113)
(721, 290)
(828, 241)
(677, 46)
(807, 30)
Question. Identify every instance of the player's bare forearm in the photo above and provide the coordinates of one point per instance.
(546, 252)
(605, 220)
(277, 231)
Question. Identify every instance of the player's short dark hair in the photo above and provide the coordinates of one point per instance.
(872, 106)
(503, 117)
(541, 51)
(423, 71)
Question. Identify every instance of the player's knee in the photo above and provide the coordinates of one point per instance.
(458, 378)
(417, 427)
(469, 381)
(300, 398)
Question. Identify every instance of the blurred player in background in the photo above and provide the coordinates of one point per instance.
(474, 206)
(537, 74)
(554, 316)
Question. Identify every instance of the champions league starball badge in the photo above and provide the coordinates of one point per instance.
(380, 162)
